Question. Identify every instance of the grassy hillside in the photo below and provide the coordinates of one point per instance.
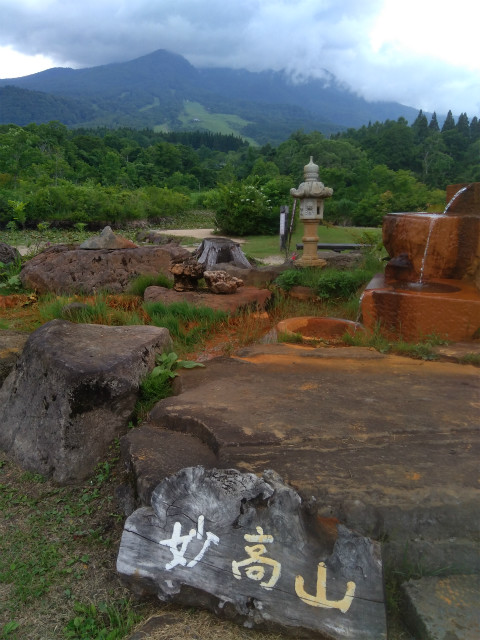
(196, 116)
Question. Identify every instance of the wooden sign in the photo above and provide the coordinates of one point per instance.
(283, 226)
(245, 548)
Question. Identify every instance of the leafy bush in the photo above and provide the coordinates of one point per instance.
(333, 283)
(242, 209)
(290, 278)
(163, 202)
(10, 277)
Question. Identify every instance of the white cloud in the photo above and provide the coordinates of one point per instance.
(422, 53)
(14, 64)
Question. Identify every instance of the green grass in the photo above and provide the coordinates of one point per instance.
(36, 240)
(102, 622)
(420, 350)
(57, 549)
(188, 325)
(137, 287)
(471, 358)
(98, 312)
(263, 246)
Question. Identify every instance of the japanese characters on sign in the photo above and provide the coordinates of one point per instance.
(257, 565)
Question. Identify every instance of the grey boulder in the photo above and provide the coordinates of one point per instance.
(8, 253)
(72, 392)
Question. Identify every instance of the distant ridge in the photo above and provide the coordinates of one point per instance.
(163, 90)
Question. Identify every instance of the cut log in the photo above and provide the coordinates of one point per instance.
(215, 251)
(246, 548)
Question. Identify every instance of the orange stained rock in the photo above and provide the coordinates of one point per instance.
(413, 315)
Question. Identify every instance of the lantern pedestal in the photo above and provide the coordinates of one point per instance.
(310, 240)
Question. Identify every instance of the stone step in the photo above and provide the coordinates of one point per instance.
(443, 608)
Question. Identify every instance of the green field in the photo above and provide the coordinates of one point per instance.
(155, 103)
(197, 117)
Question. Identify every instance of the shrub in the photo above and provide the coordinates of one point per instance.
(163, 202)
(330, 284)
(242, 209)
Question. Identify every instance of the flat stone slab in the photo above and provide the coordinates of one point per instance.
(243, 297)
(386, 444)
(444, 608)
(459, 351)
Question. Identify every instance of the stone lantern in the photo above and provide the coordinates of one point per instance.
(311, 194)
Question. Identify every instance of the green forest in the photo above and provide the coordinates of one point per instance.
(53, 175)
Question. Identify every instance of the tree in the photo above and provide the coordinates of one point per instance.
(433, 126)
(420, 127)
(436, 162)
(110, 168)
(449, 122)
(463, 125)
(475, 129)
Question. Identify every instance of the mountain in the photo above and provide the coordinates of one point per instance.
(21, 107)
(164, 91)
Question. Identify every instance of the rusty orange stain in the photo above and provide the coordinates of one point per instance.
(308, 386)
(413, 475)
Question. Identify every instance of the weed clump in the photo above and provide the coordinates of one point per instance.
(138, 285)
(188, 325)
(157, 384)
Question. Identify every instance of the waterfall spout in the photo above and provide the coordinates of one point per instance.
(456, 195)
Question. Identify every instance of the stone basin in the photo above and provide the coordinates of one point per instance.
(426, 287)
(318, 328)
(449, 309)
(438, 246)
(431, 283)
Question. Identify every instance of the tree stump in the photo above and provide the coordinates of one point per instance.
(215, 251)
(246, 548)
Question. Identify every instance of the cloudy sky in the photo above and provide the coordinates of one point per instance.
(421, 53)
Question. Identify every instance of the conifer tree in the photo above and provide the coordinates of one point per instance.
(420, 127)
(449, 122)
(433, 126)
(475, 129)
(463, 125)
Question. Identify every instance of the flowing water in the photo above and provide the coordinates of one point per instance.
(452, 200)
(359, 312)
(434, 217)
